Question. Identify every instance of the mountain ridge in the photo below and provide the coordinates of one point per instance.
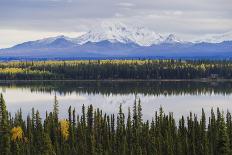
(119, 40)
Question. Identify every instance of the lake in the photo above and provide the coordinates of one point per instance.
(179, 97)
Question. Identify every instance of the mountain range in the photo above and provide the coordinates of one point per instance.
(118, 40)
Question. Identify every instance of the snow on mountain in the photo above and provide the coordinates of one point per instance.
(117, 40)
(216, 38)
(58, 41)
(172, 38)
(52, 39)
(119, 32)
(115, 32)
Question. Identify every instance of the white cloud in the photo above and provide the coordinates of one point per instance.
(34, 18)
(175, 13)
(118, 15)
(125, 4)
(12, 37)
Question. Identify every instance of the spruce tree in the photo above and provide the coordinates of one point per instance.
(56, 110)
(47, 148)
(4, 128)
(223, 139)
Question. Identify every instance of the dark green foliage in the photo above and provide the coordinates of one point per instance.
(95, 133)
(4, 128)
(116, 69)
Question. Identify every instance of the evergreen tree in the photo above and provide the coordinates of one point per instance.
(47, 148)
(96, 133)
(56, 110)
(4, 128)
(223, 140)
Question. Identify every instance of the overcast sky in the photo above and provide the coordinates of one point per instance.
(22, 20)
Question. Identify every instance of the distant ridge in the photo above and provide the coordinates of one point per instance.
(117, 40)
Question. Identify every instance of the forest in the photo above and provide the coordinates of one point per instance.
(94, 132)
(116, 70)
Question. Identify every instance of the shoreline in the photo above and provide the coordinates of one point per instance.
(127, 80)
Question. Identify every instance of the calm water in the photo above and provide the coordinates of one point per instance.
(177, 97)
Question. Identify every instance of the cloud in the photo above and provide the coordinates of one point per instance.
(13, 37)
(174, 13)
(118, 15)
(192, 17)
(125, 4)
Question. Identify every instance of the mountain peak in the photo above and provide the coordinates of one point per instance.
(52, 39)
(114, 32)
(216, 38)
(113, 26)
(58, 41)
(119, 32)
(172, 38)
(120, 40)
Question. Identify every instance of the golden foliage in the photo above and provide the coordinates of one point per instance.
(37, 67)
(21, 71)
(17, 133)
(11, 70)
(64, 129)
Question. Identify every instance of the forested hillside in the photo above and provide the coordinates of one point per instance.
(115, 69)
(96, 133)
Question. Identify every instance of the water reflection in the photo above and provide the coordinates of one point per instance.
(179, 97)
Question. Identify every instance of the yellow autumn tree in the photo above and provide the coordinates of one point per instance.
(17, 133)
(64, 129)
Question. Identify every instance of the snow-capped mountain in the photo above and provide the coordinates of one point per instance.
(216, 38)
(119, 32)
(112, 32)
(119, 40)
(172, 38)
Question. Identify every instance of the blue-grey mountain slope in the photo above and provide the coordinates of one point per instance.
(120, 41)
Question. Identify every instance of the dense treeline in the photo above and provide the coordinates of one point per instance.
(115, 69)
(96, 133)
(125, 87)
